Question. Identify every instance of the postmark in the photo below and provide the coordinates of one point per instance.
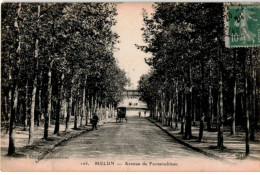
(242, 24)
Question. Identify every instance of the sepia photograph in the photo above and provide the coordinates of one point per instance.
(130, 86)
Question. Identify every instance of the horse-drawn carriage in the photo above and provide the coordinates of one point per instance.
(121, 114)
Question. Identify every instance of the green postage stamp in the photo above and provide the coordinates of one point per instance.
(242, 24)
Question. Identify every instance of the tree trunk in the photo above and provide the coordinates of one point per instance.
(68, 111)
(64, 107)
(11, 147)
(39, 113)
(36, 112)
(47, 118)
(192, 106)
(202, 97)
(31, 126)
(220, 116)
(87, 112)
(9, 109)
(111, 105)
(81, 114)
(189, 106)
(183, 114)
(95, 103)
(253, 100)
(76, 116)
(247, 128)
(195, 113)
(188, 134)
(210, 104)
(76, 113)
(113, 109)
(164, 108)
(233, 127)
(159, 109)
(84, 102)
(170, 113)
(9, 99)
(92, 105)
(46, 126)
(106, 110)
(26, 106)
(201, 127)
(3, 107)
(40, 107)
(49, 97)
(213, 109)
(156, 109)
(13, 93)
(99, 109)
(174, 115)
(177, 106)
(59, 107)
(102, 111)
(209, 119)
(23, 115)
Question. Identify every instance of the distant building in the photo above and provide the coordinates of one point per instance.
(131, 100)
(131, 94)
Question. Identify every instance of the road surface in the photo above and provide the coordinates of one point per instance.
(136, 139)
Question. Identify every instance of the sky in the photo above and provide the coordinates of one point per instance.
(128, 27)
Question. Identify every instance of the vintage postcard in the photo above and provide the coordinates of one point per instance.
(130, 86)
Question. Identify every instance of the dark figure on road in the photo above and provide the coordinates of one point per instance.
(94, 121)
(139, 113)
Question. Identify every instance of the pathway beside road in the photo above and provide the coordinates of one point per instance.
(234, 145)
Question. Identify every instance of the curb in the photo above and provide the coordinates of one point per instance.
(189, 145)
(45, 153)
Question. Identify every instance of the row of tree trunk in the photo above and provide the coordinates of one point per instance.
(187, 106)
(51, 94)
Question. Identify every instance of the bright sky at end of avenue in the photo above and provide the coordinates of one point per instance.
(128, 27)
